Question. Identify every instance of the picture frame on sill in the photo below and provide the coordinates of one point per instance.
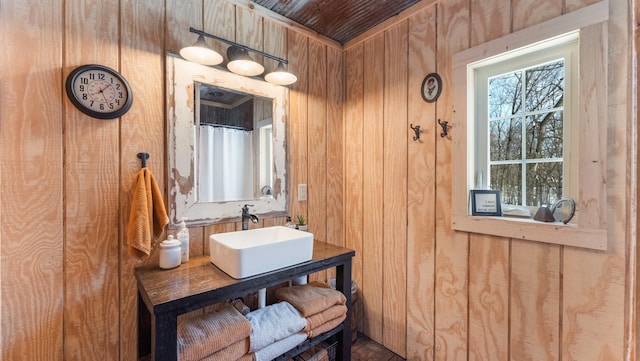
(485, 202)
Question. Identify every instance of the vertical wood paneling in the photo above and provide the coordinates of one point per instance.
(219, 20)
(275, 43)
(421, 190)
(353, 161)
(335, 148)
(373, 174)
(317, 145)
(527, 13)
(91, 193)
(180, 16)
(31, 176)
(534, 301)
(488, 298)
(594, 282)
(298, 54)
(249, 31)
(142, 63)
(489, 20)
(395, 189)
(451, 295)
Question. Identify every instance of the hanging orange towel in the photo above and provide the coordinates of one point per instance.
(148, 214)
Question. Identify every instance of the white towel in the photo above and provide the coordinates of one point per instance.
(273, 323)
(278, 348)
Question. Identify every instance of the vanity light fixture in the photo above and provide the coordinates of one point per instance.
(281, 76)
(239, 60)
(241, 63)
(200, 52)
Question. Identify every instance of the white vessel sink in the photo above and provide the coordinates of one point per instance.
(247, 253)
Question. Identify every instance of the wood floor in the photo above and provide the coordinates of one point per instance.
(364, 349)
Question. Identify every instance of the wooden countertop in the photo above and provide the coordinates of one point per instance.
(198, 282)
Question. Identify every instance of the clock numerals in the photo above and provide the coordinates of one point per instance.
(99, 91)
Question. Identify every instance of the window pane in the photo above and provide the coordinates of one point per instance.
(544, 135)
(505, 139)
(544, 183)
(508, 179)
(505, 95)
(545, 86)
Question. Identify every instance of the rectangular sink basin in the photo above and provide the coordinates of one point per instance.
(244, 254)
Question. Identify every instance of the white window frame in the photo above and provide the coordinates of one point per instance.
(589, 231)
(564, 48)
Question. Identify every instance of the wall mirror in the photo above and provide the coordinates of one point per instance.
(226, 146)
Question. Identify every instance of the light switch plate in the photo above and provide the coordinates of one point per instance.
(302, 192)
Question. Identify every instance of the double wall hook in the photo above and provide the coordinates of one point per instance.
(417, 130)
(445, 128)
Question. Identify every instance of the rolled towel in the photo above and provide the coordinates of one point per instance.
(278, 348)
(273, 323)
(327, 326)
(235, 351)
(310, 299)
(325, 316)
(204, 335)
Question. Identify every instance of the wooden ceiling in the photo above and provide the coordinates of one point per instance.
(340, 20)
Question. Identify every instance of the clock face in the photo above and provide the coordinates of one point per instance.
(99, 91)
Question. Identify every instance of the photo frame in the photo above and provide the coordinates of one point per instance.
(431, 87)
(485, 202)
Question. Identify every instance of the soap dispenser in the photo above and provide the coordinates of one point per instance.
(183, 237)
(289, 224)
(169, 253)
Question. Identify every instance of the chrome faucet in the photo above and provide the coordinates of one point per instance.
(246, 216)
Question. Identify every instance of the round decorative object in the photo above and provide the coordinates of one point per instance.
(99, 91)
(431, 87)
(563, 210)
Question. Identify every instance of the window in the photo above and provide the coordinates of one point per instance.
(524, 124)
(529, 115)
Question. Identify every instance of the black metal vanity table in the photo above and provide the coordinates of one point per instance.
(166, 294)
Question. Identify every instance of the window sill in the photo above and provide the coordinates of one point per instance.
(528, 229)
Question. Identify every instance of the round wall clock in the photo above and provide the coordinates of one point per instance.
(99, 91)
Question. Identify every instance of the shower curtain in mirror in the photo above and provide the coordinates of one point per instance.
(225, 164)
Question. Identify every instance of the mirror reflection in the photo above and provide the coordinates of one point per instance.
(226, 144)
(234, 147)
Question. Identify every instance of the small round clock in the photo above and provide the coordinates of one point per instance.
(99, 91)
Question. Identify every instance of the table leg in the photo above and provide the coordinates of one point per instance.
(343, 284)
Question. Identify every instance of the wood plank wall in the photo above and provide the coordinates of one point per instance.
(471, 296)
(68, 290)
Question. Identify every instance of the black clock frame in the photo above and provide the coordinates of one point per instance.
(90, 112)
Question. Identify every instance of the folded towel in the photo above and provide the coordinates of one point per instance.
(310, 299)
(278, 348)
(273, 323)
(327, 326)
(325, 316)
(148, 214)
(247, 357)
(236, 351)
(203, 335)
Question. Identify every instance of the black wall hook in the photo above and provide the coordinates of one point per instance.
(445, 128)
(143, 157)
(417, 130)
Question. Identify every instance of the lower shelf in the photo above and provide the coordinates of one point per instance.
(308, 344)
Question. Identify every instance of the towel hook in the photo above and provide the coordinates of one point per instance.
(143, 157)
(445, 128)
(417, 130)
